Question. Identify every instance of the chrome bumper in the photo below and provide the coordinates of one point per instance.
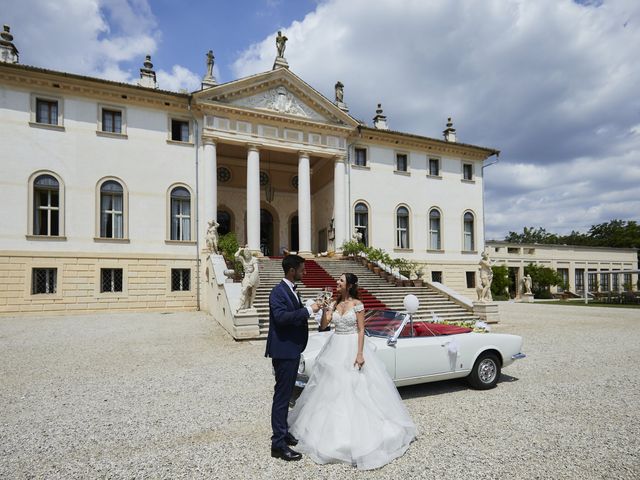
(301, 381)
(518, 356)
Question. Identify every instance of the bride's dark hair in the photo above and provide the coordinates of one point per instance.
(352, 287)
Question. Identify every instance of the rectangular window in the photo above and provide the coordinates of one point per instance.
(47, 111)
(436, 276)
(111, 121)
(401, 162)
(579, 279)
(43, 280)
(592, 280)
(513, 250)
(627, 285)
(564, 273)
(180, 279)
(361, 157)
(467, 171)
(179, 130)
(604, 281)
(471, 279)
(110, 280)
(615, 282)
(434, 167)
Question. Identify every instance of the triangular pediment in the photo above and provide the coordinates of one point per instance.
(280, 100)
(278, 92)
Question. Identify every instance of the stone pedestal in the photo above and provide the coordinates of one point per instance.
(525, 298)
(245, 324)
(487, 311)
(280, 62)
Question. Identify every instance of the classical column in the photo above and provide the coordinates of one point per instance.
(339, 207)
(210, 183)
(304, 204)
(253, 198)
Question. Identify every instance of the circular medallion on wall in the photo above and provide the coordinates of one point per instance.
(264, 178)
(294, 182)
(224, 174)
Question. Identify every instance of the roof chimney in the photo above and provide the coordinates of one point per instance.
(380, 120)
(8, 51)
(147, 74)
(449, 132)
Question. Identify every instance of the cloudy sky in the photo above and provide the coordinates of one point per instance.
(553, 84)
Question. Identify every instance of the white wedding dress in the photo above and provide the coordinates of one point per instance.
(350, 415)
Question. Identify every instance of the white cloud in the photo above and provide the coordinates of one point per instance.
(551, 83)
(89, 37)
(180, 78)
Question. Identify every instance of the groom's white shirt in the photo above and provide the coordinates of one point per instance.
(295, 294)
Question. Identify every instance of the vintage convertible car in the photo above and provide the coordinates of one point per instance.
(419, 352)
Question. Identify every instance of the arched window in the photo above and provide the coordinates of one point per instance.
(469, 240)
(180, 214)
(111, 210)
(46, 204)
(402, 227)
(361, 223)
(435, 235)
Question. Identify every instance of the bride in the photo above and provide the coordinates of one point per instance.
(350, 410)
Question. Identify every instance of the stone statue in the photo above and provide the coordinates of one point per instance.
(210, 61)
(281, 44)
(357, 236)
(211, 237)
(251, 280)
(486, 277)
(339, 92)
(526, 284)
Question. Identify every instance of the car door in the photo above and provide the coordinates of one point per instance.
(423, 356)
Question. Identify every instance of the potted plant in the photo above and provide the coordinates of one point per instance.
(404, 269)
(418, 272)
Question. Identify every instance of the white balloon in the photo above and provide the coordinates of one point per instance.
(411, 303)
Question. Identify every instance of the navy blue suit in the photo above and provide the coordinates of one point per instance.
(287, 338)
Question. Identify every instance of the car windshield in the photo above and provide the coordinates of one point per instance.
(383, 323)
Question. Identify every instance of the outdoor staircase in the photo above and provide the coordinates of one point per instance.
(375, 292)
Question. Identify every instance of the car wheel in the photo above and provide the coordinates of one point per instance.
(486, 372)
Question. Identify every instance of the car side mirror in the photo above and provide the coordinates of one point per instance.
(392, 341)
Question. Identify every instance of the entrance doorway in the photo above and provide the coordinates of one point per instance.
(293, 234)
(266, 232)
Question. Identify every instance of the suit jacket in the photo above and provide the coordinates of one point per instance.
(288, 324)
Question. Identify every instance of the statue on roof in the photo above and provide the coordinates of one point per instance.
(281, 43)
(210, 62)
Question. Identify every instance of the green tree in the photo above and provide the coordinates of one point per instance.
(228, 245)
(542, 278)
(532, 235)
(500, 282)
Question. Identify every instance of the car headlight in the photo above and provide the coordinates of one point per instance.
(301, 365)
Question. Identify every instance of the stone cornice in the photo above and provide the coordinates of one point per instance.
(290, 120)
(431, 145)
(33, 78)
(265, 143)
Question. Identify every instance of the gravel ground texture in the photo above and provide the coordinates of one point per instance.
(173, 396)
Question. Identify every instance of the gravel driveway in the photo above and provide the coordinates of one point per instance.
(173, 396)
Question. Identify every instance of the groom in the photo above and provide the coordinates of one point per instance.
(288, 335)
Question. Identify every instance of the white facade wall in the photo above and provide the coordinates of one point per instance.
(383, 189)
(147, 164)
(143, 161)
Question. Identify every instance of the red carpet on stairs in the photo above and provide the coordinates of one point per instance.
(317, 277)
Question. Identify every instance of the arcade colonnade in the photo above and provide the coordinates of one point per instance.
(210, 186)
